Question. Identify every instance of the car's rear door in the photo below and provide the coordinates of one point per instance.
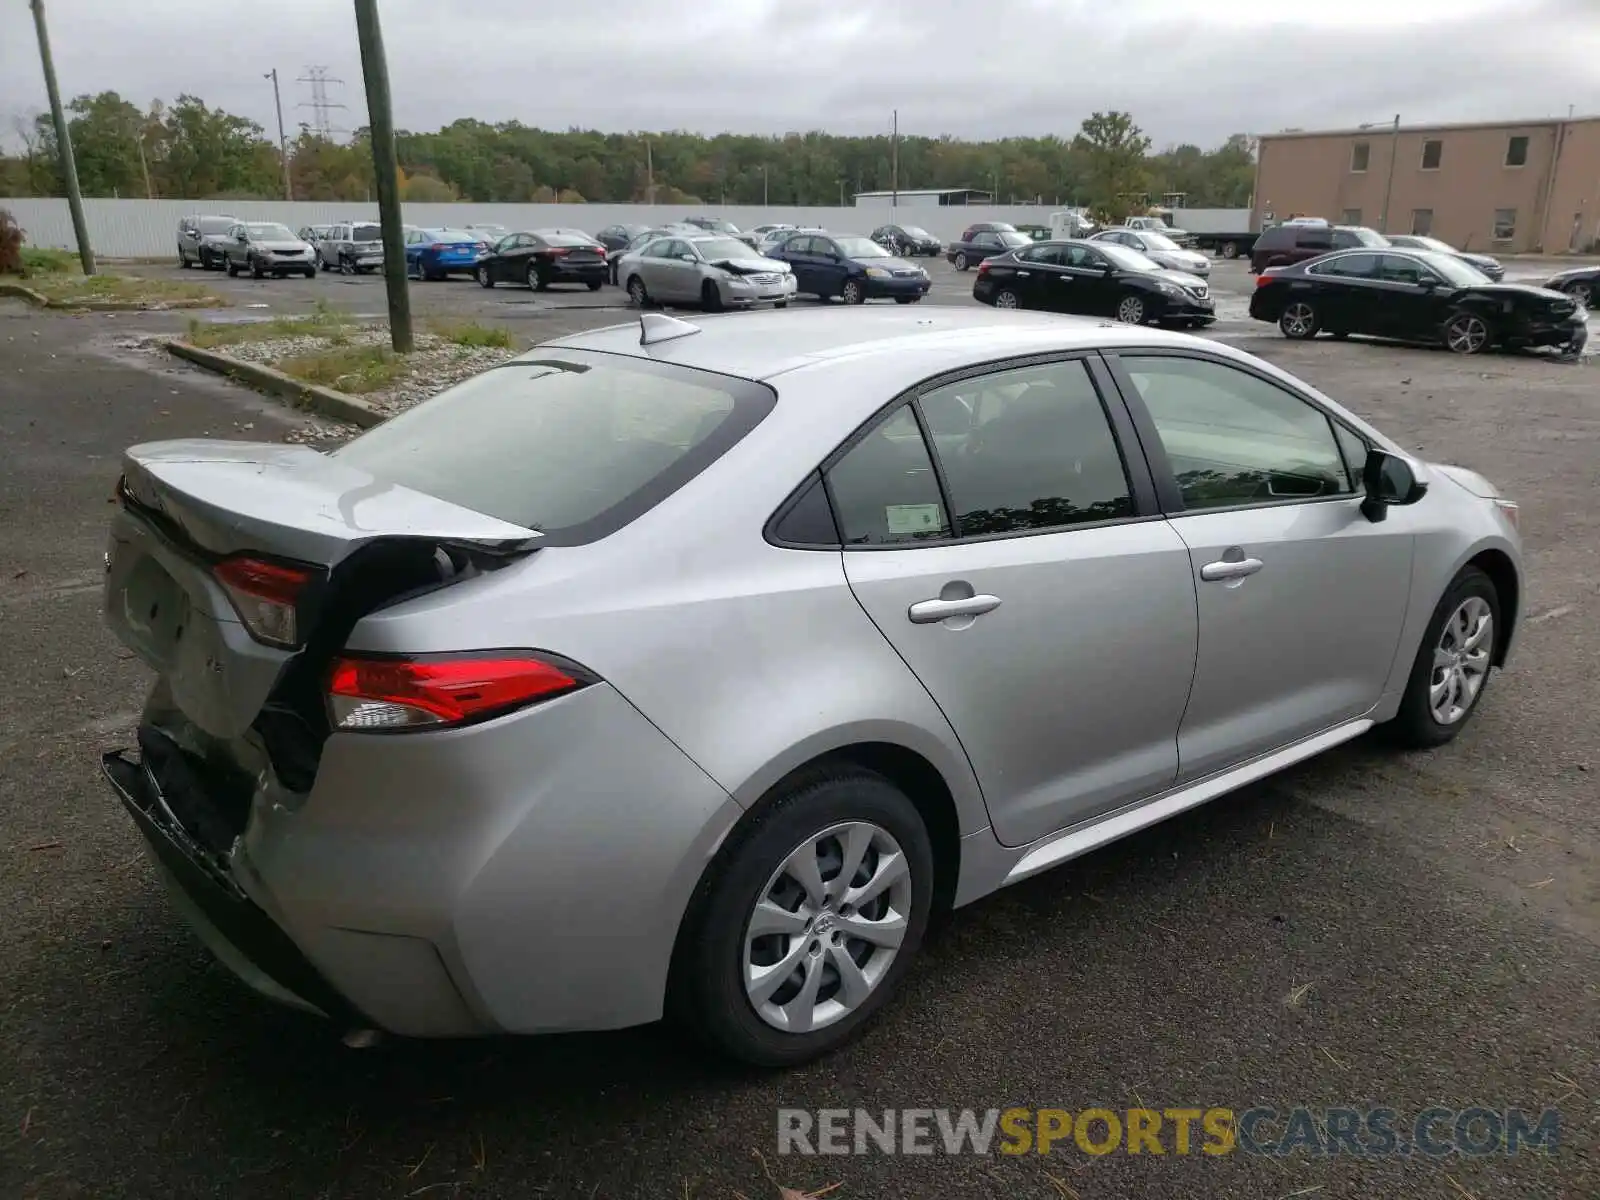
(1301, 597)
(1345, 292)
(1022, 576)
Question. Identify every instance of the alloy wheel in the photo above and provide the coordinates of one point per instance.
(852, 293)
(1466, 334)
(484, 278)
(1006, 300)
(1461, 661)
(1131, 310)
(827, 927)
(636, 293)
(1299, 320)
(1581, 292)
(961, 262)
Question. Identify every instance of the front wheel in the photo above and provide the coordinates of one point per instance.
(1452, 665)
(960, 262)
(806, 921)
(637, 295)
(1131, 310)
(257, 271)
(1466, 333)
(853, 292)
(1581, 292)
(907, 299)
(183, 259)
(1299, 320)
(229, 266)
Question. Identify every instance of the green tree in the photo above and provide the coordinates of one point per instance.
(1113, 150)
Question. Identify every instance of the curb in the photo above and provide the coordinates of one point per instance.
(40, 300)
(320, 400)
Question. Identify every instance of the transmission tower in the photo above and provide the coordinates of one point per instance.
(321, 107)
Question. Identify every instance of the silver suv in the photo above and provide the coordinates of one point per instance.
(352, 247)
(200, 240)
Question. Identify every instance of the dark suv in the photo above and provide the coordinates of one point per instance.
(1284, 245)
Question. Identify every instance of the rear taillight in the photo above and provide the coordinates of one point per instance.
(1264, 278)
(265, 595)
(431, 692)
(436, 246)
(554, 251)
(983, 266)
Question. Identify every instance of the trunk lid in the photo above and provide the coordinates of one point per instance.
(184, 507)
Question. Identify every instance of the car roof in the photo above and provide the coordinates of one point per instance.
(761, 345)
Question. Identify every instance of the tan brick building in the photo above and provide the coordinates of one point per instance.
(1509, 187)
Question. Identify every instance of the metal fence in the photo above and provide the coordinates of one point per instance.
(148, 228)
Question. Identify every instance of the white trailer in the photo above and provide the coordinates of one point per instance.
(1227, 231)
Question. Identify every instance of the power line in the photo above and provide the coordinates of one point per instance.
(321, 107)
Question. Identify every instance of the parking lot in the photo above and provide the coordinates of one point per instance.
(1366, 930)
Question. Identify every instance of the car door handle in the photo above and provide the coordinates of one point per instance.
(927, 612)
(1226, 569)
(1022, 274)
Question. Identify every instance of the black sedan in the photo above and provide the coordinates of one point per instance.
(1489, 265)
(907, 241)
(1581, 283)
(856, 269)
(976, 244)
(617, 237)
(540, 259)
(1412, 296)
(1094, 279)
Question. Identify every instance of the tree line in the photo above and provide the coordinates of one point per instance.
(188, 150)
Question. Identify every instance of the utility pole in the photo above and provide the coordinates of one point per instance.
(69, 168)
(649, 174)
(144, 166)
(1388, 191)
(894, 164)
(380, 122)
(283, 142)
(763, 185)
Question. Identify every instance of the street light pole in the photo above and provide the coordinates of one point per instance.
(894, 164)
(1388, 190)
(283, 143)
(380, 125)
(69, 168)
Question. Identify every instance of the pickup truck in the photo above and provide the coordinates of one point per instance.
(1156, 225)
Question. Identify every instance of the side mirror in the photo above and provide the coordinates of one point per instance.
(688, 258)
(1427, 283)
(1388, 480)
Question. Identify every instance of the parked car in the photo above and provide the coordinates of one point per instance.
(1038, 233)
(712, 225)
(908, 241)
(617, 237)
(353, 247)
(439, 253)
(1160, 247)
(267, 248)
(314, 235)
(1303, 238)
(1489, 265)
(1415, 296)
(712, 270)
(200, 240)
(541, 259)
(490, 233)
(1581, 283)
(855, 269)
(684, 668)
(1146, 224)
(976, 244)
(771, 240)
(1094, 279)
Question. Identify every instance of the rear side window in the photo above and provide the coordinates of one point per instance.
(884, 489)
(575, 445)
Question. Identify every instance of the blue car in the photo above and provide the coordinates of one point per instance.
(435, 253)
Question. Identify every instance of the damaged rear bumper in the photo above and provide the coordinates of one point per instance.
(234, 928)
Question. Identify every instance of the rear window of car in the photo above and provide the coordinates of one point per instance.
(366, 233)
(564, 239)
(573, 444)
(216, 224)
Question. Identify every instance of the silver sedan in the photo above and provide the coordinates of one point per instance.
(714, 271)
(686, 668)
(1160, 247)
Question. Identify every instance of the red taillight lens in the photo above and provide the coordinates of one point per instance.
(554, 251)
(265, 595)
(983, 266)
(436, 246)
(376, 694)
(1263, 278)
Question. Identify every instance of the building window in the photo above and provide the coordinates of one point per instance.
(1359, 153)
(1432, 152)
(1516, 152)
(1422, 222)
(1351, 216)
(1505, 224)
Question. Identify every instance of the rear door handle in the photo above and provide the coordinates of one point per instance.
(1225, 569)
(927, 612)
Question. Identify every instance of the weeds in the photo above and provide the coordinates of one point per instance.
(351, 369)
(473, 335)
(321, 322)
(122, 289)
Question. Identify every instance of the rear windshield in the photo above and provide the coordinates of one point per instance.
(574, 445)
(366, 233)
(565, 239)
(216, 224)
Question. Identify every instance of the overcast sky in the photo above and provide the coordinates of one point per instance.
(1189, 70)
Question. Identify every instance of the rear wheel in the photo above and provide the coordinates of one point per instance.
(1007, 299)
(1452, 665)
(960, 262)
(347, 265)
(1466, 333)
(853, 292)
(806, 921)
(1230, 249)
(1299, 320)
(535, 280)
(1131, 310)
(485, 279)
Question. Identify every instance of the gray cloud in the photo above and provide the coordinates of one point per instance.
(768, 66)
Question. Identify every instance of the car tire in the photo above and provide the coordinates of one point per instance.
(1467, 333)
(536, 281)
(1456, 630)
(1006, 298)
(1580, 291)
(1299, 320)
(347, 265)
(485, 278)
(1132, 310)
(323, 264)
(638, 295)
(853, 292)
(780, 304)
(820, 818)
(594, 285)
(310, 272)
(908, 299)
(257, 271)
(183, 259)
(229, 266)
(1230, 249)
(710, 297)
(960, 262)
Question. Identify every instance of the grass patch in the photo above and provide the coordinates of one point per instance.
(322, 322)
(352, 369)
(473, 335)
(37, 261)
(121, 289)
